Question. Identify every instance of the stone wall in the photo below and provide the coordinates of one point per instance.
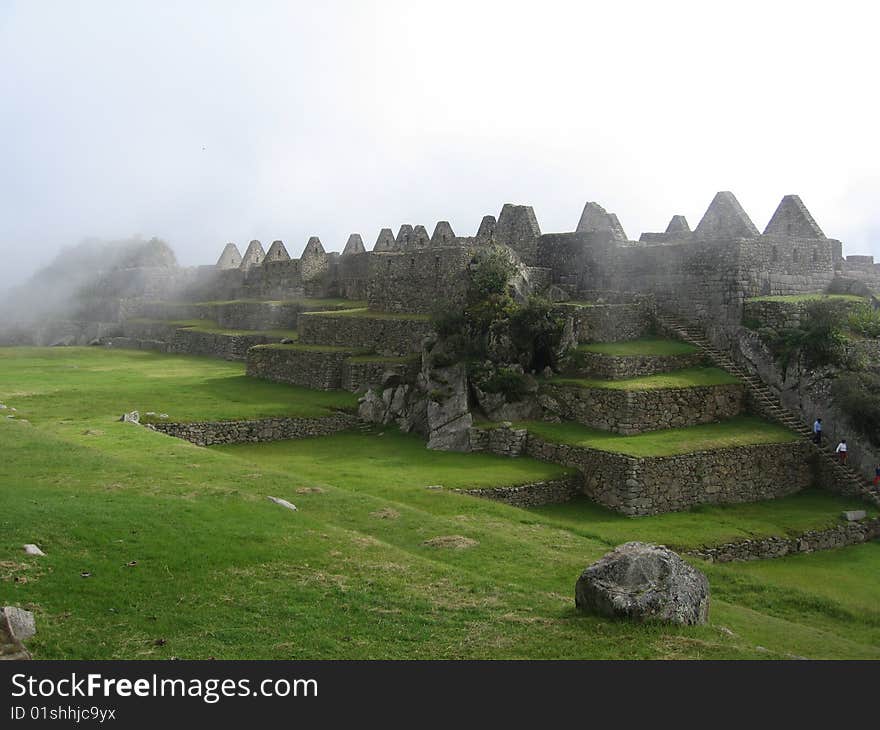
(502, 440)
(850, 533)
(653, 485)
(608, 322)
(359, 374)
(578, 260)
(636, 411)
(257, 430)
(723, 476)
(216, 344)
(386, 335)
(319, 368)
(780, 314)
(418, 280)
(352, 275)
(619, 367)
(129, 343)
(780, 265)
(554, 491)
(257, 315)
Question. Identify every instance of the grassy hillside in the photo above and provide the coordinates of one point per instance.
(644, 346)
(220, 571)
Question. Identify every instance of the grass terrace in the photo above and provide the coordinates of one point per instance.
(390, 359)
(684, 378)
(800, 298)
(297, 347)
(305, 302)
(213, 329)
(369, 314)
(656, 346)
(705, 524)
(583, 305)
(79, 384)
(738, 431)
(210, 327)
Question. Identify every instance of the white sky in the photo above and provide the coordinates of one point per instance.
(208, 122)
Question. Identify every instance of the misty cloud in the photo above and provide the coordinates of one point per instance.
(207, 122)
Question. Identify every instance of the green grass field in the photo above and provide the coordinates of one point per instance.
(220, 571)
(684, 378)
(645, 346)
(738, 431)
(211, 327)
(89, 385)
(799, 298)
(369, 314)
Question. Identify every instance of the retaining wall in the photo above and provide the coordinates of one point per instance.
(609, 322)
(554, 491)
(382, 334)
(619, 367)
(357, 375)
(312, 368)
(653, 485)
(636, 411)
(850, 533)
(256, 431)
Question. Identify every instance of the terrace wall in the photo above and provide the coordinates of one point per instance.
(653, 485)
(319, 369)
(256, 430)
(636, 411)
(609, 322)
(418, 280)
(358, 375)
(384, 335)
(620, 367)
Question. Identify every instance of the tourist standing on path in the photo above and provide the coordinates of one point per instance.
(841, 451)
(877, 475)
(817, 432)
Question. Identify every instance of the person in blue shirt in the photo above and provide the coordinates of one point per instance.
(817, 432)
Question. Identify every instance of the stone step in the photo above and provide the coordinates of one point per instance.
(762, 394)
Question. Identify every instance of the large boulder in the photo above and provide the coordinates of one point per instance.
(16, 625)
(644, 582)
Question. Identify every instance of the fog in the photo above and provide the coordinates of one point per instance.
(206, 122)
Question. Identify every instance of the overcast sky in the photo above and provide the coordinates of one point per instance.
(208, 122)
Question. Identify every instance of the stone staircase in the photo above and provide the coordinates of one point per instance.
(767, 405)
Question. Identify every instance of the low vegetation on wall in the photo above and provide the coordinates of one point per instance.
(502, 339)
(833, 335)
(818, 339)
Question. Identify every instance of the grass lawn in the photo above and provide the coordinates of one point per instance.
(88, 384)
(306, 302)
(738, 431)
(799, 298)
(210, 327)
(582, 304)
(641, 346)
(705, 524)
(684, 378)
(390, 359)
(369, 314)
(223, 572)
(297, 347)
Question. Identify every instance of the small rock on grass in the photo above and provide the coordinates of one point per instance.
(283, 503)
(457, 542)
(32, 549)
